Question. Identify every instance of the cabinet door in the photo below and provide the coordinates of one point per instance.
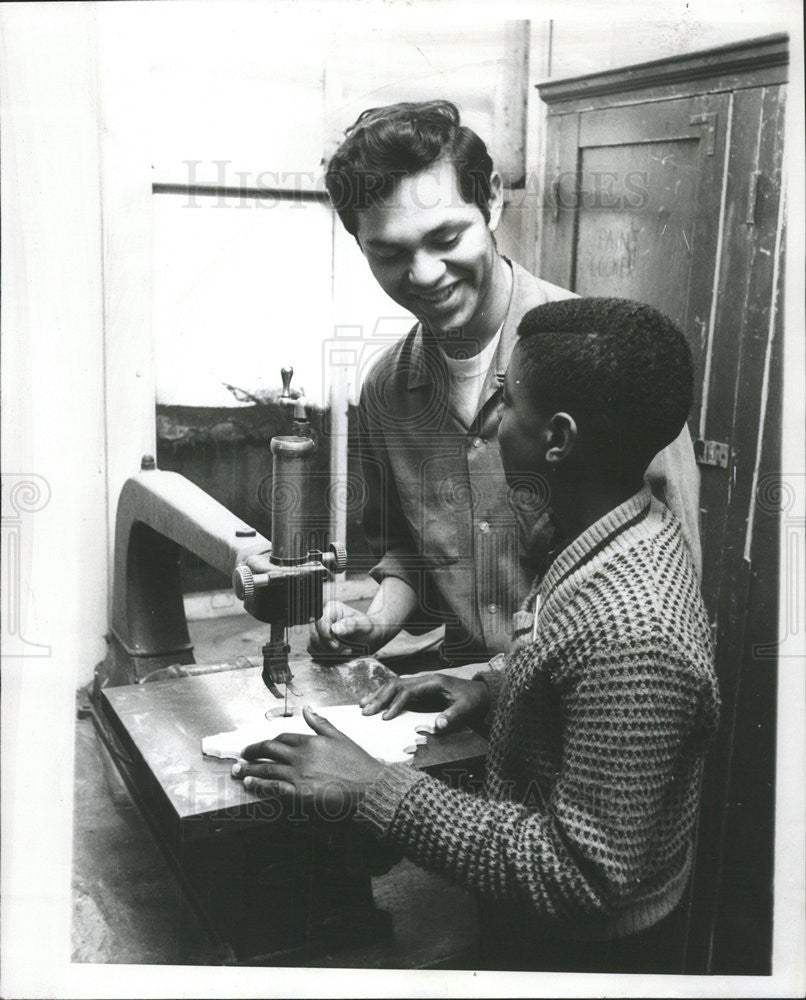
(634, 209)
(677, 202)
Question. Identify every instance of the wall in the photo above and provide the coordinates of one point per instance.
(53, 439)
(581, 45)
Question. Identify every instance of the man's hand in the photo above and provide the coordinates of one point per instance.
(327, 772)
(260, 563)
(466, 701)
(343, 630)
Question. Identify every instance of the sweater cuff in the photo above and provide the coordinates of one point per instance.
(381, 800)
(493, 679)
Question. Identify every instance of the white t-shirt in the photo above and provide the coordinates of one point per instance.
(467, 379)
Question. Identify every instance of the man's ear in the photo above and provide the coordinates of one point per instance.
(495, 204)
(563, 436)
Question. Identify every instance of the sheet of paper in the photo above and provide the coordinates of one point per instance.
(392, 741)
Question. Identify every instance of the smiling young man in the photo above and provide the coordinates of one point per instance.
(456, 545)
(581, 844)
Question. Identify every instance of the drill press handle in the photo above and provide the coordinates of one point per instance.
(285, 375)
(245, 581)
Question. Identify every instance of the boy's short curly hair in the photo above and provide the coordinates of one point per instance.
(621, 369)
(399, 140)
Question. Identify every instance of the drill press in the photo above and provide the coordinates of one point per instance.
(287, 588)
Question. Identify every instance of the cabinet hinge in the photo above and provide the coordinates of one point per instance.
(709, 119)
(752, 198)
(712, 453)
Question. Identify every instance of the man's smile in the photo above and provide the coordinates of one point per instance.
(442, 297)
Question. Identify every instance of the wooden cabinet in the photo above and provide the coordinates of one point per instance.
(663, 184)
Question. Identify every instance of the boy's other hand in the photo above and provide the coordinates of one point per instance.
(465, 701)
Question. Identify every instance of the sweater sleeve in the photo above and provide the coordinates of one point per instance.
(616, 819)
(494, 680)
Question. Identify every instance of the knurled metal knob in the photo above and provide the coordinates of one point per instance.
(339, 551)
(243, 582)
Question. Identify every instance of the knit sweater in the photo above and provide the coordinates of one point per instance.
(601, 719)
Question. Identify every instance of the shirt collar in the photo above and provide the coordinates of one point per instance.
(518, 304)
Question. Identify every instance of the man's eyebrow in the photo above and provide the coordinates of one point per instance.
(380, 243)
(459, 225)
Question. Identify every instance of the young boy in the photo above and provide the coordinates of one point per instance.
(581, 843)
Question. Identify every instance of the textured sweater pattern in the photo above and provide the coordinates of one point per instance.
(600, 722)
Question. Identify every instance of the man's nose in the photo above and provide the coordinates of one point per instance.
(426, 269)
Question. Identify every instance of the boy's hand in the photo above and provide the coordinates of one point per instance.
(465, 701)
(326, 772)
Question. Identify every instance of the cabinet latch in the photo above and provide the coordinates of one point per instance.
(712, 453)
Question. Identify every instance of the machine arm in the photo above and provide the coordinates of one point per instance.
(159, 513)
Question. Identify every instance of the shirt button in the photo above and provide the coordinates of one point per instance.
(478, 442)
(484, 525)
(492, 608)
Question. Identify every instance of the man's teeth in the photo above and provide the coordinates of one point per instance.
(439, 296)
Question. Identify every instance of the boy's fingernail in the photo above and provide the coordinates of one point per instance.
(236, 768)
(247, 782)
(337, 628)
(441, 722)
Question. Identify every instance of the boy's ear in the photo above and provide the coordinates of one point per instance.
(563, 435)
(495, 204)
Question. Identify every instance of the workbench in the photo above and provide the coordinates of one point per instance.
(272, 886)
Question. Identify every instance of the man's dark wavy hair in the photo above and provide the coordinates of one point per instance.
(399, 140)
(620, 368)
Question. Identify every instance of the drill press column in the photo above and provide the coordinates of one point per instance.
(290, 592)
(290, 488)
